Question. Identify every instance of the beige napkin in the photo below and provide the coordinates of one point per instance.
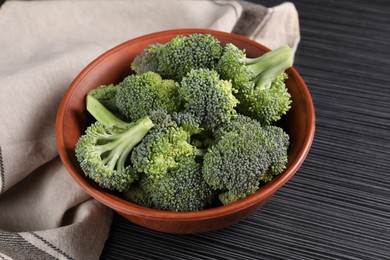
(44, 45)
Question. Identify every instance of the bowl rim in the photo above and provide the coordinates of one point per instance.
(128, 208)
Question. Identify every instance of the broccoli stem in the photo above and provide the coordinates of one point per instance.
(267, 55)
(270, 59)
(120, 148)
(264, 79)
(102, 114)
(200, 152)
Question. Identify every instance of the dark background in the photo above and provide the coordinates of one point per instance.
(338, 204)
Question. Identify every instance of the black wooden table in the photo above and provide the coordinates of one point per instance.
(338, 204)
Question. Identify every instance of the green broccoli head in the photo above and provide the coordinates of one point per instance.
(147, 60)
(237, 123)
(188, 122)
(235, 165)
(106, 95)
(207, 97)
(182, 188)
(259, 82)
(277, 142)
(103, 153)
(232, 66)
(184, 53)
(139, 95)
(268, 105)
(261, 154)
(161, 149)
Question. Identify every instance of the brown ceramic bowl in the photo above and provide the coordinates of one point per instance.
(112, 67)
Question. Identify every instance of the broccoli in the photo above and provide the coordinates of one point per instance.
(244, 155)
(147, 60)
(235, 165)
(139, 95)
(176, 58)
(259, 82)
(195, 122)
(182, 188)
(207, 97)
(106, 95)
(188, 122)
(162, 147)
(275, 140)
(104, 149)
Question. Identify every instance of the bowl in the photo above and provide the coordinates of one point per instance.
(112, 67)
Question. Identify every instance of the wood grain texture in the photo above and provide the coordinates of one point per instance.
(338, 204)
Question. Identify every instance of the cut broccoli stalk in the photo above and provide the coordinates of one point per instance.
(122, 144)
(104, 149)
(258, 82)
(270, 65)
(102, 114)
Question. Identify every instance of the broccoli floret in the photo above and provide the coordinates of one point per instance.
(162, 147)
(274, 138)
(277, 143)
(244, 155)
(184, 53)
(182, 188)
(237, 123)
(259, 82)
(106, 95)
(139, 95)
(207, 97)
(188, 122)
(147, 60)
(104, 149)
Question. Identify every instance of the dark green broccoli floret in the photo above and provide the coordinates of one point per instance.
(274, 139)
(259, 82)
(277, 142)
(184, 53)
(188, 122)
(139, 95)
(182, 188)
(207, 97)
(147, 60)
(235, 165)
(244, 155)
(104, 149)
(106, 95)
(237, 123)
(174, 59)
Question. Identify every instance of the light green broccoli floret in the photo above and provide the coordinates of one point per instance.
(162, 147)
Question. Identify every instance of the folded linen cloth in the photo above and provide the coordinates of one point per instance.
(45, 44)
